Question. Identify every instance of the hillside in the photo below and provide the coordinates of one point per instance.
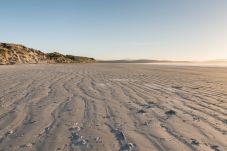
(19, 54)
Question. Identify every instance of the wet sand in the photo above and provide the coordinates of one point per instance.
(112, 107)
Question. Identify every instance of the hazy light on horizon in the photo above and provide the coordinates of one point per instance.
(119, 29)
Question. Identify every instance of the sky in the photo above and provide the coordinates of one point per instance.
(119, 29)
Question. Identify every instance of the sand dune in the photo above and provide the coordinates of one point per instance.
(112, 107)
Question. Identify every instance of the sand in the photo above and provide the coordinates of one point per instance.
(112, 107)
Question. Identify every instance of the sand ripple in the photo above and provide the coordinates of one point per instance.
(112, 107)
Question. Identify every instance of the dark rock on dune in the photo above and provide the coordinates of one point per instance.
(141, 111)
(215, 147)
(194, 142)
(170, 112)
(19, 54)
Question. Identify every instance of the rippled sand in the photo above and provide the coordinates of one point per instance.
(112, 107)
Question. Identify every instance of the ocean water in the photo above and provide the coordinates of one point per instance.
(192, 64)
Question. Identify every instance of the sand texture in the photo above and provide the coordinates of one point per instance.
(112, 107)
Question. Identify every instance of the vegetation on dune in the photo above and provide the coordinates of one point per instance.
(19, 54)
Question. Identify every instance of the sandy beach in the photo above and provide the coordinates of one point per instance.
(112, 107)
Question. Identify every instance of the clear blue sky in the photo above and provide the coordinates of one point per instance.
(119, 29)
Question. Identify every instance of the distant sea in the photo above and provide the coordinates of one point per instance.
(191, 64)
